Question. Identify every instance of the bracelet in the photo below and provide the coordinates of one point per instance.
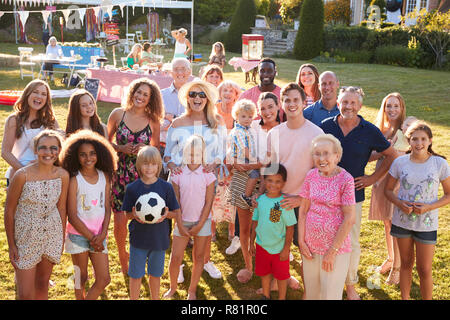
(336, 250)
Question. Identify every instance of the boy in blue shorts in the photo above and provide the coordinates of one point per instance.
(148, 242)
(273, 229)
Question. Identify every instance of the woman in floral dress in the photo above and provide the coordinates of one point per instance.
(134, 125)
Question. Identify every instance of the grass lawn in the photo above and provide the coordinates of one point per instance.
(426, 96)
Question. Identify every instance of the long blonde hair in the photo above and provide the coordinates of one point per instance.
(211, 96)
(195, 141)
(382, 121)
(213, 50)
(45, 115)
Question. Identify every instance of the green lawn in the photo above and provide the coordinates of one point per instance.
(426, 95)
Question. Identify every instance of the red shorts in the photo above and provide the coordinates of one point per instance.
(266, 263)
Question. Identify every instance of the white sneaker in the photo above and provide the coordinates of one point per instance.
(180, 278)
(212, 270)
(234, 246)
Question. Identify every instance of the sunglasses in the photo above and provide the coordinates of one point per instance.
(193, 94)
(45, 148)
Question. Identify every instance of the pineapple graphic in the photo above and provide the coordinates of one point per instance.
(275, 213)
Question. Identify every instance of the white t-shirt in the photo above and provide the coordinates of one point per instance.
(419, 182)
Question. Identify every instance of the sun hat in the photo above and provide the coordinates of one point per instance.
(211, 91)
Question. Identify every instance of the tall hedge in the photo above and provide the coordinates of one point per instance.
(309, 39)
(243, 19)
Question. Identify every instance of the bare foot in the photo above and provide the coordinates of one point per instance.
(191, 296)
(273, 287)
(293, 283)
(351, 293)
(169, 294)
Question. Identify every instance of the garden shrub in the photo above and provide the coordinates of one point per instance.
(359, 56)
(396, 55)
(345, 38)
(243, 19)
(309, 39)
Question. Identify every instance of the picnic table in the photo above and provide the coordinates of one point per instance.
(69, 62)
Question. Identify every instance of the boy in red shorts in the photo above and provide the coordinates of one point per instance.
(273, 229)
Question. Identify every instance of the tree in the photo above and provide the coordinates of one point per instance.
(290, 10)
(309, 39)
(337, 12)
(243, 19)
(435, 28)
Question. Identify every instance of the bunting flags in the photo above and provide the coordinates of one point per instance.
(45, 15)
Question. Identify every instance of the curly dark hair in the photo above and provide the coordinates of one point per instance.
(155, 107)
(106, 156)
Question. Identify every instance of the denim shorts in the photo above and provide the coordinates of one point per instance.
(154, 259)
(425, 237)
(76, 244)
(204, 231)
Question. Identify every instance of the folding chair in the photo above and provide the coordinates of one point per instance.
(124, 61)
(140, 37)
(130, 42)
(25, 61)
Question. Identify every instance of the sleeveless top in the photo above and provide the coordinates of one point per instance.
(90, 203)
(126, 164)
(180, 49)
(23, 148)
(38, 230)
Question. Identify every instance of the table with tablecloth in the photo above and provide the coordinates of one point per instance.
(247, 66)
(113, 83)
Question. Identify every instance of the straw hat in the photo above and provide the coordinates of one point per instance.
(211, 91)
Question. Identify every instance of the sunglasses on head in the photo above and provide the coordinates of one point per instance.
(193, 94)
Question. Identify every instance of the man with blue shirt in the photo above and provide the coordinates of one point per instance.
(326, 107)
(181, 73)
(358, 138)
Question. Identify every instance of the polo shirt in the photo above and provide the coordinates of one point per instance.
(193, 185)
(357, 146)
(317, 112)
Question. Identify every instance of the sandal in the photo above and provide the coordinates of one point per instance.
(394, 276)
(385, 266)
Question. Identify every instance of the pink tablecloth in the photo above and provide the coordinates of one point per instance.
(114, 83)
(246, 65)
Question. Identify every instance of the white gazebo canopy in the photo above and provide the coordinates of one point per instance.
(168, 4)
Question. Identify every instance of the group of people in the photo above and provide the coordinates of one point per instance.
(280, 166)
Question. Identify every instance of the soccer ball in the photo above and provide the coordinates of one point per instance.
(150, 207)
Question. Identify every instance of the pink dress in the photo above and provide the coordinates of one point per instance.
(327, 195)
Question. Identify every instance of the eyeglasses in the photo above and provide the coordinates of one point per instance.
(45, 148)
(193, 94)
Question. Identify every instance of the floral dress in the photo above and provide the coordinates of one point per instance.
(38, 230)
(126, 168)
